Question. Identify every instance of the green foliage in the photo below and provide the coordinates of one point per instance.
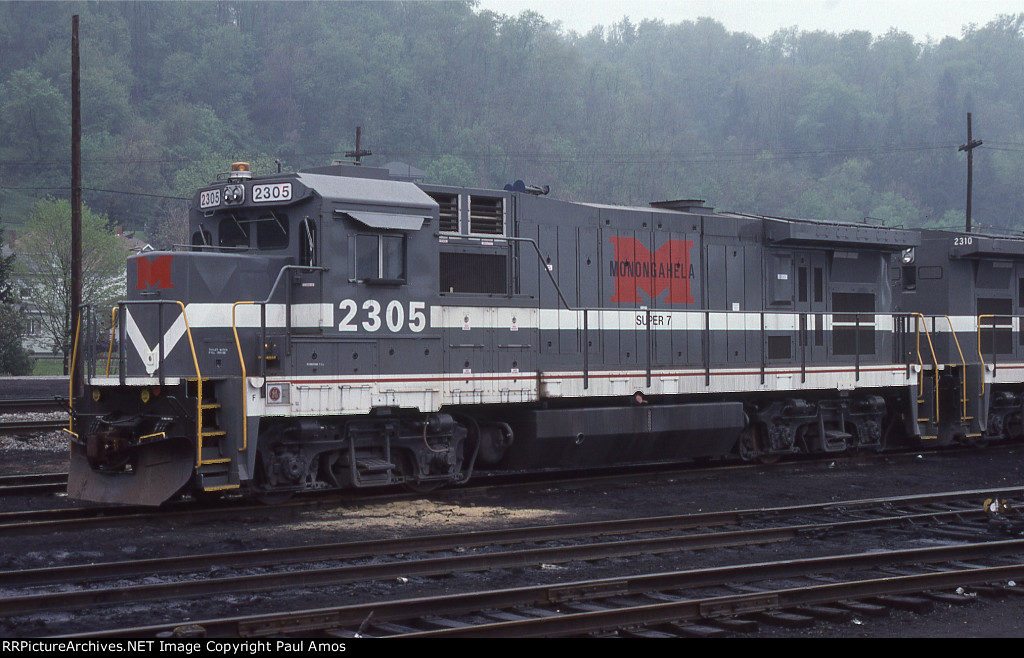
(14, 359)
(33, 113)
(807, 123)
(893, 209)
(44, 265)
(450, 170)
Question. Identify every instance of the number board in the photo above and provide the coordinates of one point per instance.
(209, 198)
(271, 192)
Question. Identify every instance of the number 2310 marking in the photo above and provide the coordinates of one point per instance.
(373, 319)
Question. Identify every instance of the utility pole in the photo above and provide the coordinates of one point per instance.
(969, 147)
(76, 205)
(359, 152)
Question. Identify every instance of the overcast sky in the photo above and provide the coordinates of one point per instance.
(923, 19)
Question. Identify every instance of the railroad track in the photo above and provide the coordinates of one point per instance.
(229, 507)
(643, 603)
(684, 603)
(11, 424)
(84, 518)
(37, 483)
(33, 404)
(31, 426)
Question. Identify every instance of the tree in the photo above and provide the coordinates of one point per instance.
(33, 113)
(450, 170)
(168, 226)
(45, 266)
(14, 359)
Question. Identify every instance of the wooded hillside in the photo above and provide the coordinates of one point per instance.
(807, 124)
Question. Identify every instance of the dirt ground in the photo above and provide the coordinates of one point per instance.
(556, 502)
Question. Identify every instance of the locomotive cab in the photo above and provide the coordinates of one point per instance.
(219, 343)
(968, 289)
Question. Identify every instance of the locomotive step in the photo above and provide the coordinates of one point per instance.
(374, 465)
(218, 481)
(835, 440)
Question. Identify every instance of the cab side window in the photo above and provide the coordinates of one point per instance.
(379, 258)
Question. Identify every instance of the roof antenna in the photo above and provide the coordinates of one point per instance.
(359, 152)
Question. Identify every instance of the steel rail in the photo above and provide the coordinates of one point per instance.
(33, 404)
(694, 610)
(34, 483)
(24, 426)
(431, 566)
(436, 543)
(356, 617)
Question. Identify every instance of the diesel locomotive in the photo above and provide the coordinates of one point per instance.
(339, 328)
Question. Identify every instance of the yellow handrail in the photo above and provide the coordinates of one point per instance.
(199, 385)
(241, 360)
(71, 372)
(110, 350)
(195, 364)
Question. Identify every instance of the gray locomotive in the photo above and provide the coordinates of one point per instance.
(337, 328)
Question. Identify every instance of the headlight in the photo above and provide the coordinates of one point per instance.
(234, 194)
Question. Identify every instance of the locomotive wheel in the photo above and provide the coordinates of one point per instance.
(274, 497)
(749, 447)
(267, 497)
(407, 469)
(206, 497)
(979, 442)
(422, 487)
(263, 482)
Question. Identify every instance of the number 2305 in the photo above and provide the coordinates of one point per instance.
(374, 315)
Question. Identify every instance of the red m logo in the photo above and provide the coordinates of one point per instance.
(635, 269)
(155, 272)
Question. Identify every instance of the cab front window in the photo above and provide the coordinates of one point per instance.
(272, 231)
(232, 233)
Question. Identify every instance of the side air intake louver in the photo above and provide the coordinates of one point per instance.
(486, 215)
(449, 207)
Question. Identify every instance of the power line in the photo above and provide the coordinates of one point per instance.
(95, 189)
(591, 157)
